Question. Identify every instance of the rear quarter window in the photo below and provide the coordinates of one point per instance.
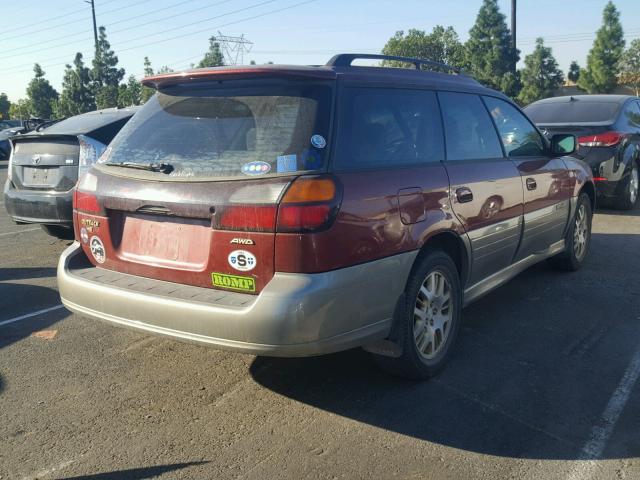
(388, 127)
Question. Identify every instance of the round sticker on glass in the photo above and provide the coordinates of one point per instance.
(97, 250)
(242, 260)
(318, 141)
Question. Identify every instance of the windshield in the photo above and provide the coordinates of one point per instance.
(576, 111)
(237, 130)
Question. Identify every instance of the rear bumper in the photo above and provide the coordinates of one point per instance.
(37, 206)
(294, 315)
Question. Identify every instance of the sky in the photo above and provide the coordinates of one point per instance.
(175, 32)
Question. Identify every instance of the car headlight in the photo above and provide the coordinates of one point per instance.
(90, 151)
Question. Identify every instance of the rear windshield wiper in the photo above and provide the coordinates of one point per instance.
(152, 167)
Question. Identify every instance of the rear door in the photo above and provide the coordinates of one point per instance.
(547, 183)
(486, 190)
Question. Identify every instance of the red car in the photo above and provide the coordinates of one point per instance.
(292, 211)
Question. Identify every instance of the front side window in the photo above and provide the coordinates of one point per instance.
(388, 127)
(468, 129)
(518, 135)
(232, 130)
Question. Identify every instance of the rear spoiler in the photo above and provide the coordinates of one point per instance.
(229, 73)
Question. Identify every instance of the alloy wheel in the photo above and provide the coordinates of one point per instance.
(580, 233)
(432, 315)
(633, 186)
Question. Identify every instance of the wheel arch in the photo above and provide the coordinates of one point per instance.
(453, 245)
(590, 189)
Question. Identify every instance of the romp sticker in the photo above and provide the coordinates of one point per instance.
(235, 282)
(97, 250)
(242, 260)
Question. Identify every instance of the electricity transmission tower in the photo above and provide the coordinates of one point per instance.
(233, 48)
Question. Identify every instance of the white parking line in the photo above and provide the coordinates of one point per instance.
(601, 432)
(29, 315)
(19, 231)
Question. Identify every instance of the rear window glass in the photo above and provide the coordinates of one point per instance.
(88, 122)
(235, 130)
(389, 127)
(572, 111)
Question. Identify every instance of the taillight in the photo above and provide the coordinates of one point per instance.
(257, 218)
(606, 139)
(310, 204)
(85, 202)
(10, 166)
(90, 151)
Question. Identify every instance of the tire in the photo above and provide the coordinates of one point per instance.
(578, 238)
(59, 231)
(414, 330)
(629, 195)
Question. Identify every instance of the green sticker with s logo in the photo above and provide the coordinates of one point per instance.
(235, 282)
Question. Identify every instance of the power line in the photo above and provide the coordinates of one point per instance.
(155, 42)
(64, 15)
(65, 24)
(265, 2)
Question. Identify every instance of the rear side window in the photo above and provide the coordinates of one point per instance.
(468, 128)
(572, 111)
(519, 137)
(232, 129)
(388, 127)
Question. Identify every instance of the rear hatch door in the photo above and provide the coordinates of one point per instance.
(188, 191)
(45, 162)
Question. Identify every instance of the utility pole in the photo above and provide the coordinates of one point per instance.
(513, 23)
(95, 28)
(233, 48)
(513, 28)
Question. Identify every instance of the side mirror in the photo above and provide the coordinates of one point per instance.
(563, 144)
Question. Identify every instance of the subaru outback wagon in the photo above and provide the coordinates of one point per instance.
(294, 211)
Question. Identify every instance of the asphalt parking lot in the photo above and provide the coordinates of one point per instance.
(542, 385)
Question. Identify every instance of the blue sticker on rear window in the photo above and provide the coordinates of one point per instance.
(287, 163)
(311, 160)
(256, 168)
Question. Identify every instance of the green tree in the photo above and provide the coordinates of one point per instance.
(574, 72)
(105, 75)
(130, 93)
(165, 69)
(76, 96)
(630, 66)
(213, 57)
(5, 105)
(41, 94)
(603, 61)
(541, 75)
(490, 56)
(441, 45)
(20, 109)
(147, 92)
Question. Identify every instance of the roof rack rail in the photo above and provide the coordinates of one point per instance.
(346, 59)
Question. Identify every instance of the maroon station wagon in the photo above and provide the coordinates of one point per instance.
(303, 210)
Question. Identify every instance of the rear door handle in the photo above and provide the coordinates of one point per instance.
(531, 184)
(464, 194)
